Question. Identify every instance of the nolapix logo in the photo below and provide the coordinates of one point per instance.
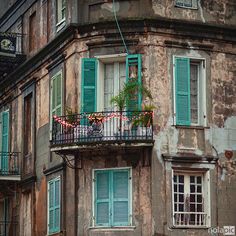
(226, 230)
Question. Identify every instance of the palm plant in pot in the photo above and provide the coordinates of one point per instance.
(127, 98)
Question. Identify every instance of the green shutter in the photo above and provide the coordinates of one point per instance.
(182, 91)
(54, 203)
(134, 63)
(56, 95)
(102, 208)
(112, 198)
(120, 197)
(5, 142)
(89, 83)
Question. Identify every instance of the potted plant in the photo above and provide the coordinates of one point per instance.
(143, 120)
(127, 94)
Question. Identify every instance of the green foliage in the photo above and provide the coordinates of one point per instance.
(128, 93)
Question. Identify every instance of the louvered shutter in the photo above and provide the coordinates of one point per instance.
(5, 142)
(89, 82)
(102, 193)
(120, 197)
(133, 73)
(182, 91)
(54, 205)
(56, 93)
(51, 206)
(57, 206)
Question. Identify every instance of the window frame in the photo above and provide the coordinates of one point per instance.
(53, 180)
(102, 60)
(205, 190)
(202, 121)
(60, 23)
(130, 202)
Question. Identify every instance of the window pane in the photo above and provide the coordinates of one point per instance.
(181, 179)
(194, 92)
(108, 86)
(122, 73)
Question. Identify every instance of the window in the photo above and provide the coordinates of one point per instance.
(190, 199)
(112, 195)
(4, 142)
(104, 77)
(189, 91)
(54, 205)
(56, 96)
(186, 3)
(32, 32)
(61, 11)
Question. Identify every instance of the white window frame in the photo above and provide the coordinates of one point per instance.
(102, 60)
(60, 23)
(130, 194)
(206, 194)
(53, 179)
(202, 118)
(194, 4)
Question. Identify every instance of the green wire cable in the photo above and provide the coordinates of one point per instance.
(118, 26)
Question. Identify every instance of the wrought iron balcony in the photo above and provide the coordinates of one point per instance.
(102, 127)
(11, 54)
(9, 166)
(8, 228)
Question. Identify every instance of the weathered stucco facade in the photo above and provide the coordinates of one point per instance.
(160, 32)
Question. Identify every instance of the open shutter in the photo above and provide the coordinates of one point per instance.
(5, 142)
(133, 73)
(182, 91)
(89, 82)
(102, 199)
(120, 198)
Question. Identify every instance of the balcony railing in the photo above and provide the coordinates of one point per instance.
(11, 52)
(8, 228)
(190, 218)
(9, 163)
(103, 127)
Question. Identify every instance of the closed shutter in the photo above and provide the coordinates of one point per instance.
(56, 93)
(133, 73)
(54, 205)
(51, 207)
(5, 142)
(102, 191)
(89, 82)
(120, 198)
(182, 90)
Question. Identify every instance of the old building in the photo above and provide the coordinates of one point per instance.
(72, 162)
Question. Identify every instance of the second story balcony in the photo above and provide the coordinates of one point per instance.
(102, 128)
(11, 53)
(9, 166)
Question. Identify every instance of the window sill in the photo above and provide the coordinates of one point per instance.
(190, 227)
(191, 127)
(186, 7)
(60, 25)
(114, 228)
